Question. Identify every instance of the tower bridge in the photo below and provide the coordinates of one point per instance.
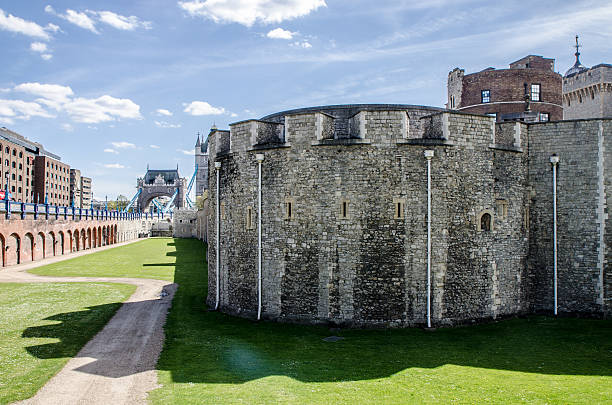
(159, 183)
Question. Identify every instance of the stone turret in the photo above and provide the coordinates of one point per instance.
(201, 160)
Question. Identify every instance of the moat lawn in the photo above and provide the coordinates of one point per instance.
(149, 258)
(210, 357)
(43, 325)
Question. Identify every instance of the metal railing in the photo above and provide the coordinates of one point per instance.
(49, 211)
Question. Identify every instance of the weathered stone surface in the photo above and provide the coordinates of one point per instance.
(345, 254)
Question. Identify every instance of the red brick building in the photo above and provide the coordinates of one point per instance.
(530, 90)
(17, 163)
(53, 179)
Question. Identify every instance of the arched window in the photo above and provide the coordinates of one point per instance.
(485, 222)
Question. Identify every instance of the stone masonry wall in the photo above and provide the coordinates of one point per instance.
(582, 194)
(344, 255)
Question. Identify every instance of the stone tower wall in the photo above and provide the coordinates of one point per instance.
(369, 269)
(588, 94)
(583, 192)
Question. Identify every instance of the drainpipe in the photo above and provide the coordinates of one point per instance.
(218, 208)
(260, 158)
(429, 155)
(554, 159)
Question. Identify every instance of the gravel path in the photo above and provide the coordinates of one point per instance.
(118, 365)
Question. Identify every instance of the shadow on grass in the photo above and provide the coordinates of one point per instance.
(73, 331)
(210, 347)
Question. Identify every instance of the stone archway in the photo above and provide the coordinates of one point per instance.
(61, 242)
(41, 244)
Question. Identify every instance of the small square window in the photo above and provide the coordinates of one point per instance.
(535, 92)
(544, 117)
(485, 96)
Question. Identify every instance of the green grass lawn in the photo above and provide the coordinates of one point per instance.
(43, 325)
(149, 258)
(210, 357)
(214, 358)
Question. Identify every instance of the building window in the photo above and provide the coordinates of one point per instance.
(501, 208)
(20, 178)
(14, 165)
(19, 190)
(399, 205)
(452, 102)
(20, 154)
(20, 166)
(544, 117)
(535, 92)
(289, 209)
(14, 152)
(249, 218)
(485, 96)
(484, 221)
(344, 209)
(7, 150)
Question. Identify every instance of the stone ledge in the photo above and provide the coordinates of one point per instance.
(341, 141)
(507, 148)
(426, 142)
(269, 146)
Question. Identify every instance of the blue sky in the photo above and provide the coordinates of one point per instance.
(111, 86)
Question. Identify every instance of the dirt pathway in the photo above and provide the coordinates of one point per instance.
(118, 365)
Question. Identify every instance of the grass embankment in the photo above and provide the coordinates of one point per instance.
(43, 325)
(213, 358)
(150, 258)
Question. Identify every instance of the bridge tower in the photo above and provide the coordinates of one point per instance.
(201, 160)
(157, 183)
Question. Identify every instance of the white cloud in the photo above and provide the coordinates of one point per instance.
(91, 111)
(18, 25)
(52, 95)
(101, 109)
(302, 44)
(162, 111)
(46, 56)
(123, 145)
(280, 33)
(22, 109)
(164, 124)
(67, 127)
(114, 166)
(88, 20)
(186, 152)
(38, 47)
(52, 27)
(203, 108)
(247, 12)
(121, 22)
(154, 146)
(109, 150)
(79, 19)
